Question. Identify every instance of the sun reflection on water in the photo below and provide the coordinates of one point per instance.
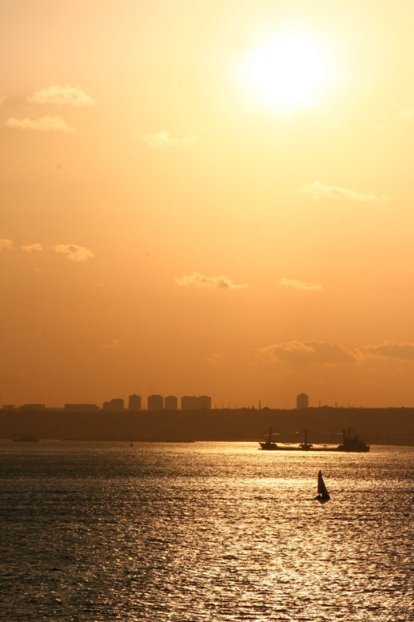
(206, 532)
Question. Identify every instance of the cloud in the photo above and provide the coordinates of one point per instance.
(316, 190)
(64, 95)
(201, 280)
(311, 352)
(389, 349)
(74, 252)
(42, 124)
(164, 141)
(6, 245)
(32, 248)
(301, 286)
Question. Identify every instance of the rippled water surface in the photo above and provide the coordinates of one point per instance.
(204, 531)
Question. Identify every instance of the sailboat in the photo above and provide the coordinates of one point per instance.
(323, 495)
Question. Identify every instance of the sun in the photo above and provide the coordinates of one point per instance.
(287, 72)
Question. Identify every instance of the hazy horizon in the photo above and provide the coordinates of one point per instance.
(207, 198)
(215, 405)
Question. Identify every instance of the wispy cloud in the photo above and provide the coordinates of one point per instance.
(73, 252)
(301, 286)
(316, 190)
(389, 349)
(33, 248)
(201, 280)
(165, 141)
(63, 95)
(328, 353)
(311, 352)
(42, 124)
(6, 245)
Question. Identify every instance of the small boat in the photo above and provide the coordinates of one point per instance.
(269, 444)
(323, 495)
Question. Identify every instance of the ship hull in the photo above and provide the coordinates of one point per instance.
(336, 448)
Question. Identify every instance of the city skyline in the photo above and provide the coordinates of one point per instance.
(212, 199)
(294, 402)
(155, 402)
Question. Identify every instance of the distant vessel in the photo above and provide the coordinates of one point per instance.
(349, 443)
(26, 438)
(352, 443)
(323, 495)
(269, 444)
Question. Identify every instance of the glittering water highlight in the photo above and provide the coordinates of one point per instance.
(203, 531)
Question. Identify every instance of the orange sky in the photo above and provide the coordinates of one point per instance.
(166, 227)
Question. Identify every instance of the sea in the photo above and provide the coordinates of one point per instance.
(204, 532)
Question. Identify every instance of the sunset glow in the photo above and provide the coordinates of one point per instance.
(206, 316)
(207, 199)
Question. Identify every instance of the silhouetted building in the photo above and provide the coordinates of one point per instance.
(171, 402)
(188, 402)
(193, 402)
(86, 408)
(204, 402)
(113, 406)
(134, 402)
(302, 401)
(155, 402)
(32, 406)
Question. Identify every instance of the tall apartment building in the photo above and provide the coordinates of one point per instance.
(134, 402)
(194, 402)
(155, 403)
(115, 405)
(302, 401)
(204, 402)
(171, 402)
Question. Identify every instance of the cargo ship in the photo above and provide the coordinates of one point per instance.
(349, 443)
